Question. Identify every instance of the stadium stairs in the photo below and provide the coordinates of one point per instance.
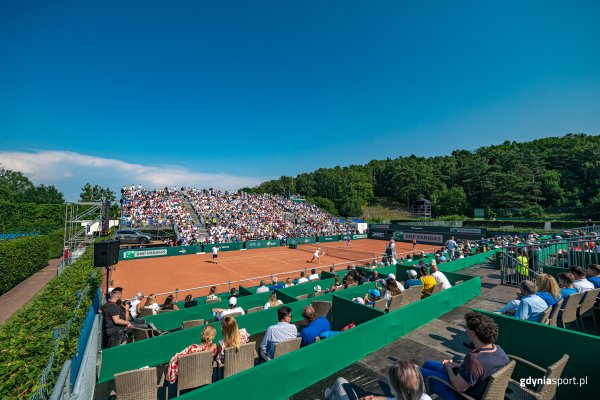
(195, 217)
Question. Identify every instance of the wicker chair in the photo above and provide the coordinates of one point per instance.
(141, 334)
(380, 304)
(302, 297)
(413, 293)
(281, 348)
(554, 314)
(140, 384)
(322, 308)
(436, 289)
(212, 301)
(195, 370)
(192, 323)
(238, 360)
(145, 312)
(496, 387)
(544, 391)
(587, 305)
(546, 316)
(397, 302)
(255, 309)
(351, 285)
(569, 310)
(164, 311)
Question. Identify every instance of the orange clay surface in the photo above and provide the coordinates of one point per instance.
(240, 267)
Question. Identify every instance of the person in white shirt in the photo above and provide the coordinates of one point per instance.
(220, 313)
(302, 279)
(439, 276)
(262, 288)
(581, 283)
(316, 255)
(215, 254)
(313, 275)
(273, 301)
(133, 308)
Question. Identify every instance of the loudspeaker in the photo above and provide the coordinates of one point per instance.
(106, 253)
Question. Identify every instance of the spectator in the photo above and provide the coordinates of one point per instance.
(451, 246)
(566, 280)
(374, 276)
(581, 284)
(262, 288)
(440, 277)
(473, 374)
(189, 302)
(302, 279)
(220, 313)
(276, 284)
(232, 293)
(404, 378)
(114, 325)
(134, 308)
(289, 283)
(273, 302)
(206, 344)
(523, 263)
(412, 279)
(362, 278)
(151, 304)
(316, 326)
(349, 281)
(232, 337)
(168, 304)
(427, 280)
(282, 331)
(593, 274)
(547, 289)
(371, 297)
(317, 291)
(313, 275)
(529, 307)
(212, 297)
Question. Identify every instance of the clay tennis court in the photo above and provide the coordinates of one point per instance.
(238, 267)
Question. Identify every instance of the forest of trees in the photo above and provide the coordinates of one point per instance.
(549, 172)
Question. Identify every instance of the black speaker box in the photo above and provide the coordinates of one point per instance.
(106, 253)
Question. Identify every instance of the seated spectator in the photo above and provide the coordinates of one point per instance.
(374, 276)
(212, 297)
(168, 304)
(566, 280)
(289, 283)
(581, 284)
(115, 324)
(349, 281)
(547, 289)
(362, 278)
(371, 297)
(276, 284)
(273, 302)
(134, 307)
(232, 293)
(317, 291)
(206, 344)
(220, 313)
(232, 337)
(528, 306)
(440, 277)
(427, 280)
(262, 288)
(302, 279)
(315, 327)
(593, 275)
(473, 374)
(412, 279)
(313, 275)
(391, 289)
(189, 302)
(404, 378)
(151, 304)
(282, 331)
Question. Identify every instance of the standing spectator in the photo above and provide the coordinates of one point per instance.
(66, 256)
(451, 246)
(282, 331)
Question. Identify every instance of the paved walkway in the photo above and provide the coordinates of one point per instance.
(19, 295)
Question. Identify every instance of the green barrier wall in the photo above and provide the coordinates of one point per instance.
(466, 262)
(301, 240)
(157, 252)
(308, 362)
(330, 238)
(544, 345)
(229, 246)
(307, 288)
(244, 291)
(359, 236)
(259, 244)
(201, 300)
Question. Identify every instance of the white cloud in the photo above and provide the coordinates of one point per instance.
(69, 171)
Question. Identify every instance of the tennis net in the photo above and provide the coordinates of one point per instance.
(354, 255)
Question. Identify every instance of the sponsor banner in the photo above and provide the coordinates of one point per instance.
(361, 236)
(477, 231)
(228, 246)
(424, 237)
(157, 252)
(302, 240)
(257, 244)
(379, 226)
(381, 235)
(330, 238)
(399, 235)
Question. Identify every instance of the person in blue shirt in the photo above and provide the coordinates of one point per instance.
(412, 279)
(316, 326)
(276, 284)
(529, 306)
(593, 274)
(566, 280)
(547, 289)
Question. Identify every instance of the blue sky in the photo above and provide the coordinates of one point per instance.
(228, 93)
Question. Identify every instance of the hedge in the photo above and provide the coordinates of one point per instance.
(26, 342)
(20, 258)
(56, 241)
(30, 217)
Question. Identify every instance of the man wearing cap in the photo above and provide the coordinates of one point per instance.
(280, 332)
(317, 289)
(371, 297)
(412, 279)
(220, 313)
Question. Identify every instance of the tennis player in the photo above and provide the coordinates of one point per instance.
(215, 254)
(317, 255)
(348, 240)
